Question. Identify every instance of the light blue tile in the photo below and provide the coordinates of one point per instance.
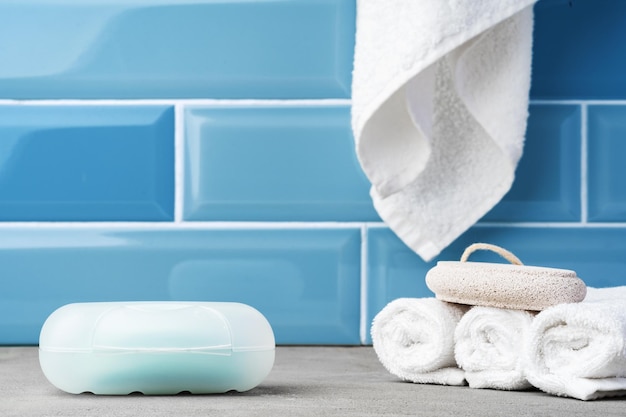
(607, 148)
(273, 163)
(167, 48)
(393, 271)
(577, 49)
(86, 163)
(306, 282)
(596, 254)
(547, 180)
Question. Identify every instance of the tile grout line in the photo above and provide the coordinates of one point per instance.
(553, 225)
(579, 102)
(179, 160)
(249, 102)
(276, 225)
(183, 101)
(185, 225)
(584, 189)
(363, 294)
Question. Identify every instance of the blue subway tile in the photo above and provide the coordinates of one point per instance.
(167, 48)
(547, 180)
(306, 282)
(273, 163)
(64, 163)
(393, 271)
(577, 49)
(596, 254)
(607, 147)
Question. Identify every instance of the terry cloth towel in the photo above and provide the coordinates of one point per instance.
(414, 340)
(439, 110)
(579, 350)
(488, 347)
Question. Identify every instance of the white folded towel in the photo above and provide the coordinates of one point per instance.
(579, 350)
(439, 109)
(414, 340)
(488, 347)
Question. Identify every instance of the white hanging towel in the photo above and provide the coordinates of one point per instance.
(439, 109)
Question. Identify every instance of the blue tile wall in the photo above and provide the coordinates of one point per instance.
(306, 282)
(607, 147)
(547, 185)
(153, 149)
(164, 48)
(596, 254)
(273, 163)
(86, 163)
(577, 51)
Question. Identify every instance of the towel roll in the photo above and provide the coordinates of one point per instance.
(488, 347)
(414, 340)
(579, 350)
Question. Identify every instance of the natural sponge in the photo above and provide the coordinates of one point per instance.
(511, 286)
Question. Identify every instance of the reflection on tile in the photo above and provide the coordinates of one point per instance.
(547, 181)
(306, 282)
(167, 48)
(607, 147)
(596, 254)
(576, 50)
(273, 163)
(86, 163)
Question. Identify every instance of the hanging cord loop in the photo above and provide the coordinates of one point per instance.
(487, 246)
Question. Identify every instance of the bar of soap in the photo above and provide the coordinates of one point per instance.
(156, 348)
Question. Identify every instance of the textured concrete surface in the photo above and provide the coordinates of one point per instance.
(305, 381)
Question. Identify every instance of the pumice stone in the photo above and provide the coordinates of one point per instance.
(117, 348)
(511, 286)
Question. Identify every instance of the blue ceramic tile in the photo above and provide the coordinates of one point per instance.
(607, 147)
(393, 271)
(273, 163)
(547, 180)
(578, 50)
(86, 163)
(167, 48)
(306, 282)
(596, 254)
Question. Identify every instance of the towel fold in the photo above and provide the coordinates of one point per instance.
(579, 350)
(439, 109)
(414, 340)
(488, 347)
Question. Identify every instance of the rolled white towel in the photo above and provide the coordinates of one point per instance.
(414, 340)
(488, 347)
(579, 350)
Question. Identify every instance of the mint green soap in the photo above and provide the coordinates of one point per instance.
(156, 347)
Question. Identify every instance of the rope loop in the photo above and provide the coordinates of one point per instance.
(487, 246)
